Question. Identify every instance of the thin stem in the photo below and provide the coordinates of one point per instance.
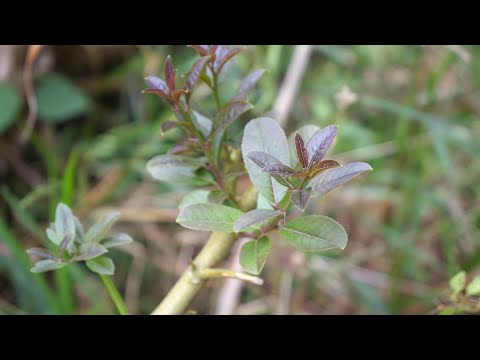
(215, 90)
(114, 294)
(205, 274)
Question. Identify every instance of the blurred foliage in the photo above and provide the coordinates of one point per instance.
(412, 225)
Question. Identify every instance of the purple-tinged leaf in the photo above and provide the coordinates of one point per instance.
(202, 123)
(220, 52)
(319, 144)
(213, 48)
(302, 154)
(263, 159)
(300, 198)
(254, 217)
(64, 222)
(47, 265)
(248, 84)
(195, 71)
(278, 169)
(228, 114)
(306, 132)
(157, 83)
(226, 57)
(43, 253)
(64, 245)
(333, 178)
(169, 73)
(89, 251)
(117, 240)
(158, 92)
(169, 125)
(322, 166)
(265, 135)
(202, 50)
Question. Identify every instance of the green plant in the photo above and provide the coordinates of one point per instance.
(283, 172)
(464, 297)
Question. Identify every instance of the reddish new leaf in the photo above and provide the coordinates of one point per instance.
(169, 125)
(158, 92)
(195, 71)
(263, 159)
(322, 166)
(169, 73)
(302, 154)
(319, 144)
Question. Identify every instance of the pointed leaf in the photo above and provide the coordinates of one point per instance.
(100, 230)
(281, 180)
(43, 253)
(194, 197)
(79, 232)
(264, 134)
(254, 217)
(158, 92)
(333, 178)
(314, 233)
(64, 222)
(156, 83)
(66, 244)
(195, 71)
(169, 73)
(319, 144)
(300, 198)
(248, 84)
(263, 159)
(101, 265)
(52, 235)
(47, 265)
(473, 289)
(209, 217)
(228, 114)
(117, 240)
(306, 132)
(253, 255)
(89, 251)
(302, 154)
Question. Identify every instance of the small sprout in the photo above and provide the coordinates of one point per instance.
(67, 231)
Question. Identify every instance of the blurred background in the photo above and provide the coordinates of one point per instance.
(74, 127)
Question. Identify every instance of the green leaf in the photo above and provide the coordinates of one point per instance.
(117, 240)
(79, 232)
(64, 223)
(306, 132)
(473, 289)
(101, 228)
(9, 105)
(59, 100)
(174, 168)
(88, 251)
(52, 235)
(202, 123)
(264, 134)
(458, 282)
(101, 265)
(254, 217)
(314, 233)
(333, 178)
(253, 255)
(194, 197)
(263, 203)
(209, 217)
(47, 265)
